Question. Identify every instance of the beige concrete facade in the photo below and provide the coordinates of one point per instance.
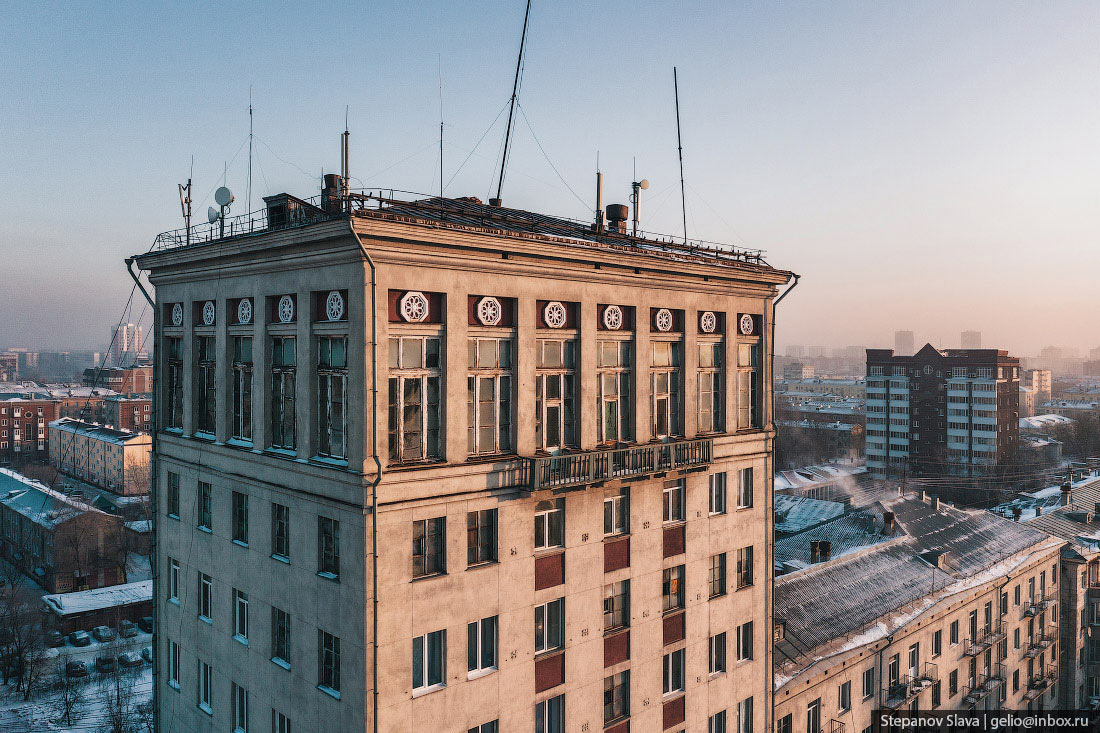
(116, 460)
(453, 263)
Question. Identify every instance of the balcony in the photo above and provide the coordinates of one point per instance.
(1040, 643)
(575, 470)
(986, 684)
(909, 687)
(1039, 604)
(986, 638)
(1038, 683)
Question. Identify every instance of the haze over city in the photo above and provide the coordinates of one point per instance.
(936, 171)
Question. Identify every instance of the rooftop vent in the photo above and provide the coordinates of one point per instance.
(936, 558)
(616, 217)
(820, 551)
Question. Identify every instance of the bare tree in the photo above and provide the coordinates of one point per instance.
(120, 704)
(71, 696)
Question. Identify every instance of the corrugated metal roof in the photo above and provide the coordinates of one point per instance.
(797, 513)
(847, 534)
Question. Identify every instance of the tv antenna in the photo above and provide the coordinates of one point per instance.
(185, 203)
(680, 149)
(248, 209)
(223, 197)
(512, 105)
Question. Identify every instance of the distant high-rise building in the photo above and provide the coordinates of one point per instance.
(798, 370)
(1094, 354)
(970, 339)
(127, 345)
(903, 343)
(1040, 381)
(796, 351)
(954, 411)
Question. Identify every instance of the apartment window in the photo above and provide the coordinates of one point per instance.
(550, 626)
(616, 511)
(716, 654)
(489, 396)
(813, 716)
(173, 580)
(414, 398)
(555, 391)
(279, 722)
(206, 687)
(785, 724)
(493, 726)
(953, 683)
(242, 388)
(844, 697)
(936, 694)
(711, 418)
(614, 395)
(206, 363)
(744, 641)
(616, 696)
(672, 588)
(481, 647)
(717, 579)
(174, 416)
(280, 531)
(240, 709)
(717, 722)
(665, 377)
(429, 659)
(744, 567)
(173, 495)
(240, 518)
(240, 615)
(718, 493)
(206, 597)
(550, 715)
(673, 672)
(328, 547)
(481, 536)
(174, 664)
(673, 501)
(428, 548)
(748, 385)
(283, 369)
(332, 395)
(206, 506)
(744, 488)
(280, 635)
(937, 643)
(550, 524)
(1016, 595)
(744, 716)
(328, 661)
(953, 632)
(616, 605)
(868, 682)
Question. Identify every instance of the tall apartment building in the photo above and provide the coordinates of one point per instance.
(127, 345)
(903, 343)
(954, 411)
(970, 339)
(1040, 381)
(556, 437)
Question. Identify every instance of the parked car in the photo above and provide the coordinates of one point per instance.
(146, 624)
(126, 629)
(106, 663)
(75, 668)
(103, 633)
(147, 654)
(129, 660)
(54, 638)
(80, 638)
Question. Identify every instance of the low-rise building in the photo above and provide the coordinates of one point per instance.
(86, 609)
(116, 460)
(25, 409)
(125, 380)
(798, 370)
(128, 412)
(59, 541)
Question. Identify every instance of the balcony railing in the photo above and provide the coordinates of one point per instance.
(985, 639)
(1039, 644)
(1039, 604)
(908, 687)
(1038, 683)
(985, 685)
(580, 469)
(836, 726)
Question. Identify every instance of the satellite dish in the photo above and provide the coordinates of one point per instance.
(212, 214)
(223, 196)
(644, 184)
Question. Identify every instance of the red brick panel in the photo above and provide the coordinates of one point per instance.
(549, 570)
(616, 648)
(623, 727)
(549, 672)
(616, 554)
(674, 540)
(673, 628)
(673, 712)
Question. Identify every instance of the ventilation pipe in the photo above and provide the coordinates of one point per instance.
(1067, 494)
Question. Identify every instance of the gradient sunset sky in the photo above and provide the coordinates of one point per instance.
(930, 166)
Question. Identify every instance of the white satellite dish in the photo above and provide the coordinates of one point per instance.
(212, 214)
(223, 196)
(644, 184)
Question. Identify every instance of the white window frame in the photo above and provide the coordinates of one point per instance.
(745, 650)
(665, 401)
(280, 723)
(241, 412)
(716, 654)
(503, 440)
(844, 696)
(565, 404)
(717, 493)
(174, 581)
(620, 401)
(205, 687)
(332, 381)
(545, 710)
(240, 709)
(673, 501)
(544, 521)
(744, 715)
(616, 511)
(712, 376)
(545, 614)
(173, 664)
(430, 413)
(481, 637)
(240, 616)
(745, 488)
(673, 682)
(206, 597)
(424, 641)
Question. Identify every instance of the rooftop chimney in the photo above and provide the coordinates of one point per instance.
(887, 522)
(333, 193)
(935, 503)
(1016, 512)
(1067, 493)
(616, 217)
(825, 550)
(494, 202)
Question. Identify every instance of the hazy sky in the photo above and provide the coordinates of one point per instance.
(932, 166)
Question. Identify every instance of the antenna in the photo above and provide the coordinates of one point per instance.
(439, 68)
(680, 148)
(345, 167)
(635, 197)
(512, 105)
(249, 197)
(223, 197)
(185, 204)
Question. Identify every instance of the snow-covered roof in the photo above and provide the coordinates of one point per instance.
(97, 599)
(808, 476)
(37, 502)
(99, 432)
(1039, 422)
(796, 513)
(84, 392)
(141, 526)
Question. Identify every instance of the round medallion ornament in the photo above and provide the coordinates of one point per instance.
(708, 322)
(612, 318)
(554, 314)
(244, 311)
(489, 311)
(927, 368)
(746, 325)
(334, 306)
(208, 313)
(286, 309)
(663, 320)
(413, 306)
(177, 314)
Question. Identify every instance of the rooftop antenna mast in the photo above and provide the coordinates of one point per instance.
(185, 203)
(248, 210)
(345, 163)
(680, 149)
(512, 105)
(439, 68)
